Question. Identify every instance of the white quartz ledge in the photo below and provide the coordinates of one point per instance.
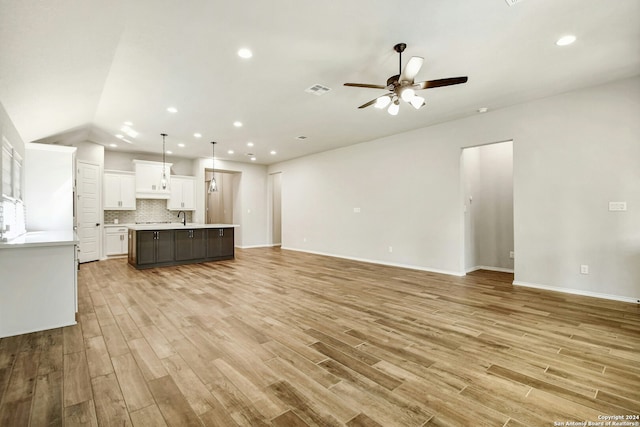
(42, 238)
(177, 226)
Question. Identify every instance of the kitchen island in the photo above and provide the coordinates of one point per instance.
(160, 245)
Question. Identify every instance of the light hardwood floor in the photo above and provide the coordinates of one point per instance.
(283, 338)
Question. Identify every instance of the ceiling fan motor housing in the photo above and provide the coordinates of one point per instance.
(400, 47)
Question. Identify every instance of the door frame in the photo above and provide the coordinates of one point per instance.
(77, 195)
(465, 211)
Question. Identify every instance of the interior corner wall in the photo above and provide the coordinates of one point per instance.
(572, 154)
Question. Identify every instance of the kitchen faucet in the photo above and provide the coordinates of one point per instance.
(184, 218)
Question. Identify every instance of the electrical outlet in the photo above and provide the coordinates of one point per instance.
(511, 254)
(617, 206)
(356, 210)
(584, 269)
(390, 249)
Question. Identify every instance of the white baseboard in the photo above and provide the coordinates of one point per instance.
(577, 292)
(257, 246)
(390, 264)
(486, 267)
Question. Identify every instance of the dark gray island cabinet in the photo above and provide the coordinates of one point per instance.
(174, 244)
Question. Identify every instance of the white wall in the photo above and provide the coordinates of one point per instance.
(122, 161)
(90, 152)
(572, 154)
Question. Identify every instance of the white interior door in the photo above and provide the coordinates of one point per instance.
(89, 218)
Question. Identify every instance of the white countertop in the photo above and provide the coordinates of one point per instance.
(42, 238)
(177, 226)
(111, 225)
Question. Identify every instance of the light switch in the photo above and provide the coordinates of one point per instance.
(356, 210)
(617, 206)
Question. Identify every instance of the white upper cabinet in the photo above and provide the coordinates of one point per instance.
(148, 179)
(119, 191)
(183, 190)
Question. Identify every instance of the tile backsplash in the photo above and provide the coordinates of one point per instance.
(147, 210)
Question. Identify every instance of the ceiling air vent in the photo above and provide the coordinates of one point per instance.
(512, 2)
(317, 89)
(301, 137)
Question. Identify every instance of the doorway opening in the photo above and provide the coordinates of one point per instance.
(219, 205)
(487, 177)
(276, 209)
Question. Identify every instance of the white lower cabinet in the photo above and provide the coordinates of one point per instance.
(38, 288)
(116, 241)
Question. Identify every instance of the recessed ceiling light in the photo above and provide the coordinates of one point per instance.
(237, 124)
(126, 129)
(128, 123)
(245, 53)
(113, 145)
(181, 145)
(197, 135)
(253, 159)
(230, 152)
(483, 110)
(249, 144)
(273, 152)
(169, 152)
(119, 136)
(566, 40)
(172, 109)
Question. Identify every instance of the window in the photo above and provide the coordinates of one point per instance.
(11, 171)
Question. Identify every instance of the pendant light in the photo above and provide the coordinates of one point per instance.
(163, 181)
(213, 186)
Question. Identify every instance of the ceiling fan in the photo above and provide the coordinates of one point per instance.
(402, 85)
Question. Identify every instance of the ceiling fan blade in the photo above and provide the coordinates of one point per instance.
(365, 85)
(373, 101)
(441, 82)
(411, 69)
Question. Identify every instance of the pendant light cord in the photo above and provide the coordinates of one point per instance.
(163, 154)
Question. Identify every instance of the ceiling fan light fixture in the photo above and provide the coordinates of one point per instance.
(417, 102)
(382, 102)
(403, 85)
(407, 94)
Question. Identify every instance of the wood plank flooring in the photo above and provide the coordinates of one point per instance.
(282, 338)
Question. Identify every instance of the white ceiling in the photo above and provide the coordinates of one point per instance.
(77, 70)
